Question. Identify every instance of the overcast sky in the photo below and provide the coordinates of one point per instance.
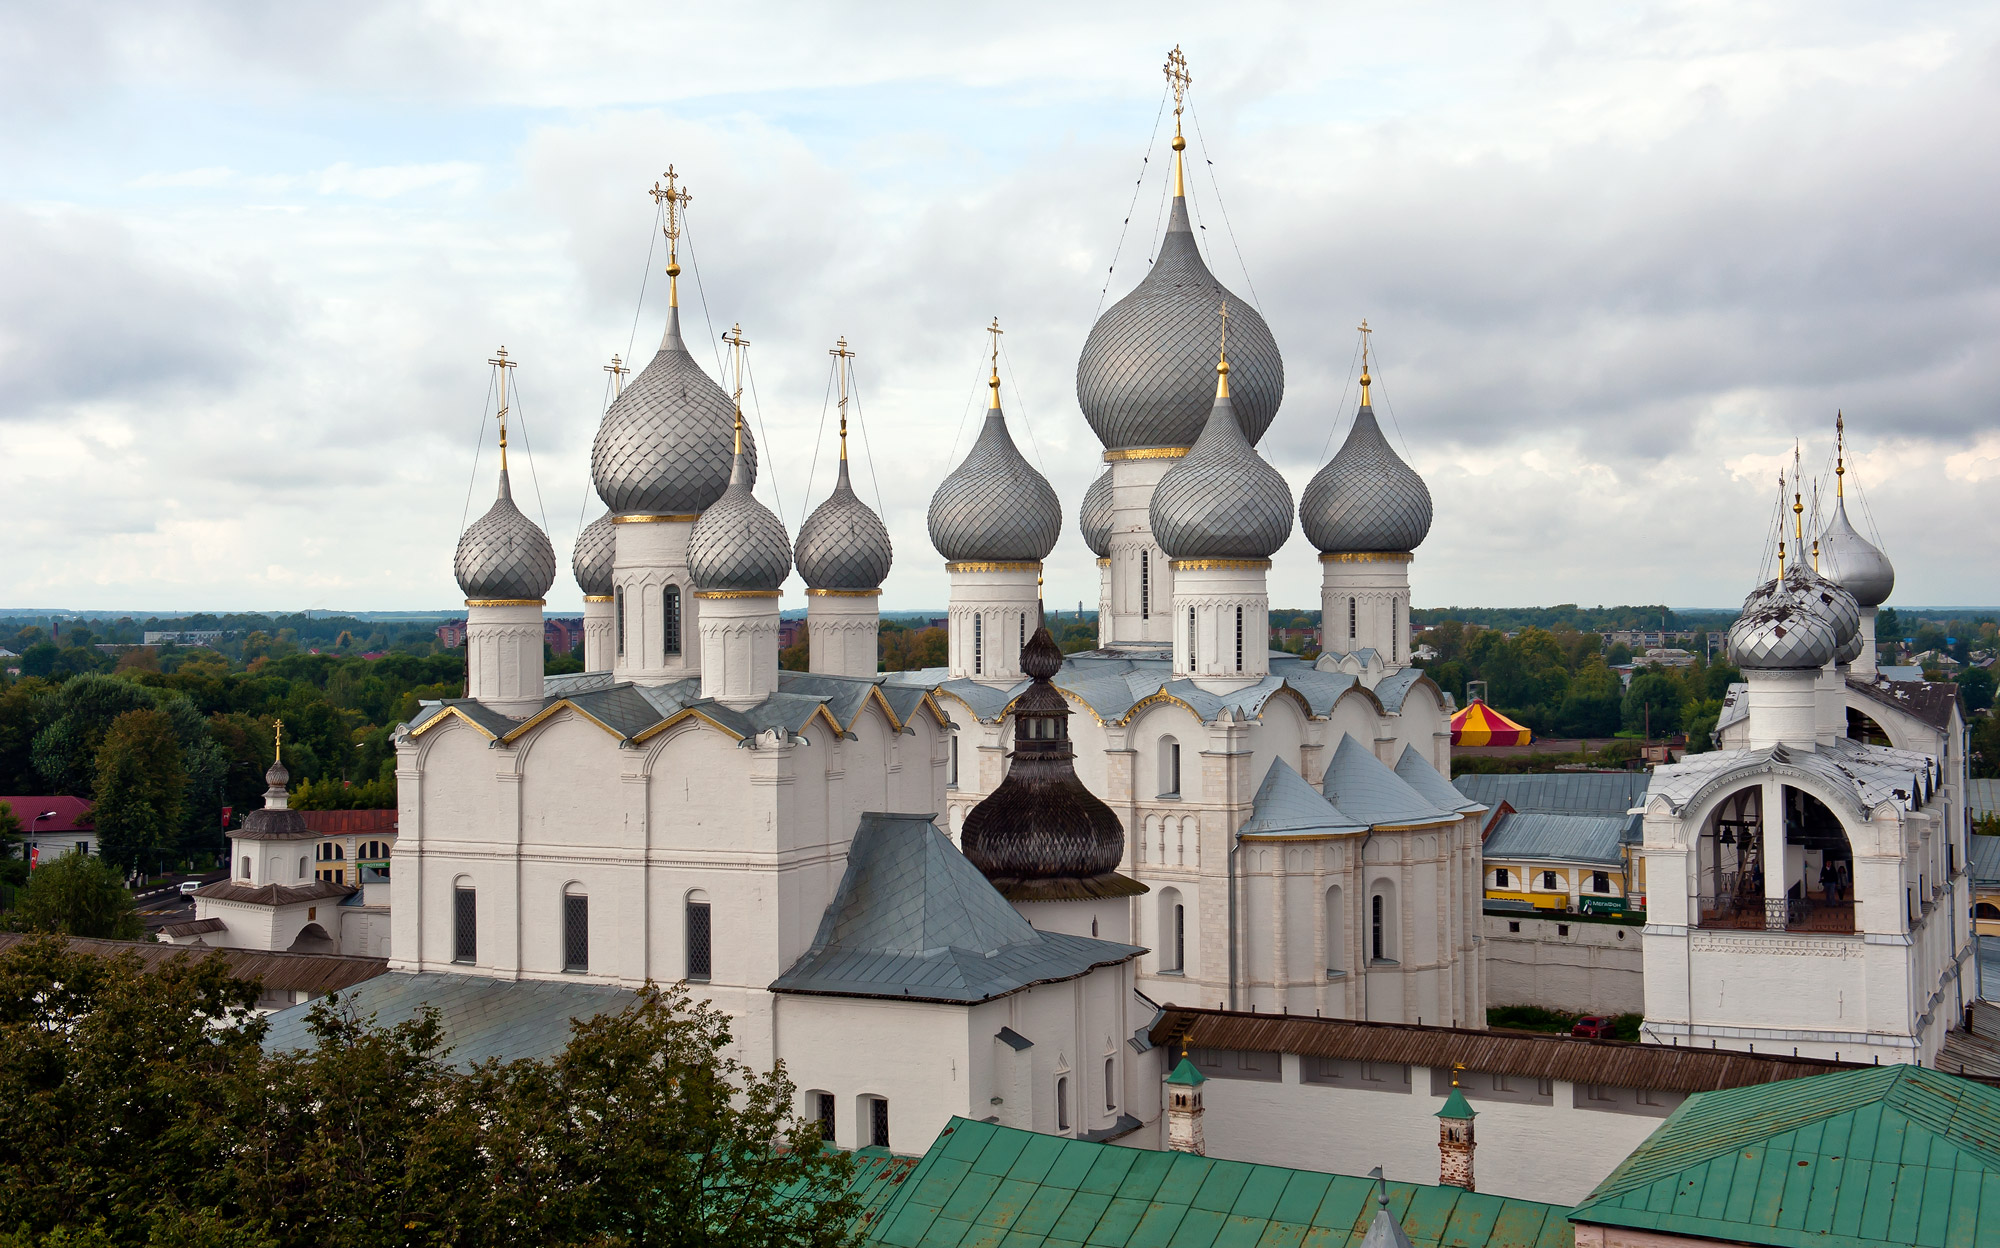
(253, 260)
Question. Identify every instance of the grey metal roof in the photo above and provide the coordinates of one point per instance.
(1287, 806)
(1862, 776)
(1221, 500)
(1417, 772)
(994, 505)
(1147, 373)
(1982, 797)
(1579, 793)
(738, 544)
(843, 544)
(1094, 516)
(1550, 836)
(1365, 788)
(590, 563)
(503, 554)
(1366, 497)
(482, 1018)
(1784, 627)
(493, 722)
(914, 920)
(1933, 702)
(1984, 857)
(578, 682)
(664, 446)
(1854, 561)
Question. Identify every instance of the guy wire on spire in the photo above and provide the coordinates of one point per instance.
(501, 362)
(841, 356)
(734, 337)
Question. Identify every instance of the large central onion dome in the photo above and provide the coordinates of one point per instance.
(1222, 501)
(738, 544)
(1856, 563)
(1366, 498)
(1042, 835)
(591, 561)
(1144, 378)
(503, 555)
(843, 544)
(995, 507)
(1095, 516)
(1784, 627)
(664, 447)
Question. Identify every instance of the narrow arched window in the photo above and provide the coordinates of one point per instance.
(1023, 623)
(670, 619)
(1239, 639)
(576, 929)
(1180, 937)
(1145, 584)
(1353, 615)
(1062, 1103)
(1110, 1084)
(1191, 657)
(700, 946)
(464, 925)
(1376, 942)
(618, 609)
(978, 644)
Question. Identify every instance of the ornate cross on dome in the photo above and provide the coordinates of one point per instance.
(840, 352)
(734, 337)
(1365, 379)
(994, 381)
(617, 370)
(501, 362)
(674, 200)
(278, 740)
(1179, 79)
(1840, 453)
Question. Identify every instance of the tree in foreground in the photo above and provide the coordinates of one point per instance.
(78, 895)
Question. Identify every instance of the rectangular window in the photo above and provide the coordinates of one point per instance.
(1600, 881)
(1500, 877)
(1191, 653)
(1259, 1065)
(1239, 639)
(1180, 938)
(1353, 616)
(1110, 1085)
(670, 617)
(1366, 1076)
(1174, 758)
(576, 933)
(465, 926)
(1023, 624)
(1145, 584)
(826, 1116)
(1062, 1103)
(951, 772)
(618, 611)
(978, 644)
(1376, 942)
(246, 868)
(1549, 879)
(698, 940)
(878, 1124)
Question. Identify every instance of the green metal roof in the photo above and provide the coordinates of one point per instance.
(997, 1187)
(1885, 1155)
(1456, 1106)
(1187, 1074)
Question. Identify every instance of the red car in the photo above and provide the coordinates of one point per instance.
(1592, 1027)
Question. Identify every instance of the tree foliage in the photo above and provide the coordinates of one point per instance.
(144, 1111)
(77, 895)
(140, 790)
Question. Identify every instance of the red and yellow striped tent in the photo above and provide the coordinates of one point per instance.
(1480, 724)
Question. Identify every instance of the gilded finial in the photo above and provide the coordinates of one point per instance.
(1222, 356)
(1455, 1068)
(501, 362)
(617, 370)
(737, 342)
(993, 404)
(1365, 379)
(840, 352)
(1179, 80)
(675, 200)
(1839, 454)
(277, 741)
(1781, 526)
(1798, 499)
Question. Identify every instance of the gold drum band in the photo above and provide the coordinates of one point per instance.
(651, 518)
(735, 593)
(1015, 566)
(504, 602)
(1368, 556)
(1145, 452)
(843, 593)
(1221, 565)
(598, 598)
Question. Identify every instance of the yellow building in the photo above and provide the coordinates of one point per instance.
(1562, 840)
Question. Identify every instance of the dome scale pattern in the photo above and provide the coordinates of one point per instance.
(1095, 516)
(843, 544)
(1147, 373)
(738, 544)
(1366, 498)
(503, 555)
(591, 561)
(994, 506)
(665, 445)
(1222, 501)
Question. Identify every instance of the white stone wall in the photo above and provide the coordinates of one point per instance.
(1596, 968)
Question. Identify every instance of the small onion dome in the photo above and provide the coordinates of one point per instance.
(843, 544)
(503, 554)
(275, 780)
(276, 820)
(1094, 517)
(1042, 835)
(738, 544)
(1222, 501)
(1145, 377)
(1836, 605)
(665, 445)
(995, 506)
(1366, 498)
(1781, 630)
(1851, 650)
(1855, 562)
(591, 561)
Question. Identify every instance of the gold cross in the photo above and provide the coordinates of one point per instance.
(734, 337)
(996, 331)
(501, 362)
(840, 352)
(1178, 78)
(675, 199)
(278, 738)
(1365, 331)
(1225, 329)
(617, 370)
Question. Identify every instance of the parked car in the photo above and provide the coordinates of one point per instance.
(1592, 1027)
(189, 886)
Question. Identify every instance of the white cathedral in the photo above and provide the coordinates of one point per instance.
(970, 890)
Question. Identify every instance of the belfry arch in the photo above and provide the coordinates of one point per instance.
(1774, 857)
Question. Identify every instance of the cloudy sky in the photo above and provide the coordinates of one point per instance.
(253, 260)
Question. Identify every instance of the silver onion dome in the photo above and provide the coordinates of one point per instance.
(1147, 373)
(1851, 650)
(1855, 562)
(665, 445)
(1222, 501)
(1781, 629)
(1366, 498)
(591, 561)
(1094, 517)
(503, 555)
(1836, 605)
(994, 505)
(738, 544)
(843, 544)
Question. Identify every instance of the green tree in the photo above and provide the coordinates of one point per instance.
(140, 789)
(1590, 706)
(19, 708)
(10, 830)
(796, 657)
(1698, 720)
(77, 895)
(1655, 697)
(1975, 685)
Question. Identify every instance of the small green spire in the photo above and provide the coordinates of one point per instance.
(1185, 1073)
(1455, 1106)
